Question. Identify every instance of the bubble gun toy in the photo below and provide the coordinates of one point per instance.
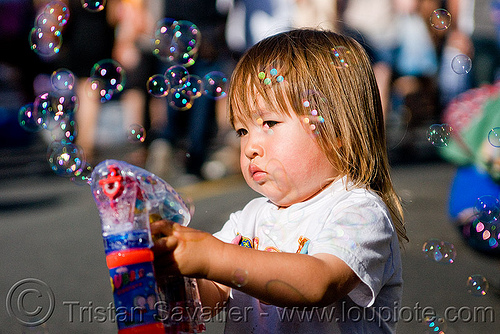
(129, 198)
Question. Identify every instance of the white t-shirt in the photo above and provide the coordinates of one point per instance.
(355, 226)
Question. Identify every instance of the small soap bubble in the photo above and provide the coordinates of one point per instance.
(487, 208)
(136, 133)
(177, 75)
(461, 64)
(111, 74)
(45, 43)
(180, 100)
(239, 277)
(158, 85)
(58, 10)
(439, 251)
(194, 86)
(93, 6)
(440, 19)
(62, 79)
(83, 175)
(341, 57)
(435, 324)
(477, 285)
(215, 83)
(439, 134)
(65, 159)
(28, 118)
(494, 137)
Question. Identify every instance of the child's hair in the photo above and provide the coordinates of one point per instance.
(328, 81)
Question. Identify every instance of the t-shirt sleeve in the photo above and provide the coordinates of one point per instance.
(229, 230)
(361, 235)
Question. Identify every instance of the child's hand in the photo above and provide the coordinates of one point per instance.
(182, 250)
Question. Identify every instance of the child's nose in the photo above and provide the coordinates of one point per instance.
(253, 147)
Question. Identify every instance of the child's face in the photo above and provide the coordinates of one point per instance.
(281, 159)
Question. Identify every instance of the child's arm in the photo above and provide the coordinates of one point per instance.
(282, 279)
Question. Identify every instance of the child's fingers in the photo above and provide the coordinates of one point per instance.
(165, 243)
(164, 227)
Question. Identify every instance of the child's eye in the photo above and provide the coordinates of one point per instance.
(269, 124)
(241, 132)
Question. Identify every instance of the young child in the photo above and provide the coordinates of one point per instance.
(321, 249)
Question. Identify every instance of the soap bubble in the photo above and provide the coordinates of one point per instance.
(239, 277)
(93, 6)
(477, 285)
(461, 64)
(45, 43)
(65, 159)
(194, 86)
(435, 324)
(158, 85)
(111, 74)
(494, 137)
(439, 134)
(177, 75)
(58, 10)
(136, 133)
(180, 100)
(439, 251)
(83, 175)
(215, 84)
(487, 208)
(28, 118)
(62, 79)
(177, 41)
(440, 19)
(341, 57)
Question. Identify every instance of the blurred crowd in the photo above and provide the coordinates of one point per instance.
(412, 57)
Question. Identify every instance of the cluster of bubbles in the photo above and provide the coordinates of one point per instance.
(46, 35)
(485, 225)
(439, 134)
(182, 88)
(54, 111)
(439, 251)
(175, 42)
(440, 19)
